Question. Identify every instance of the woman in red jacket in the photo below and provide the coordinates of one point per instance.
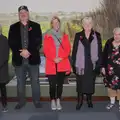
(56, 47)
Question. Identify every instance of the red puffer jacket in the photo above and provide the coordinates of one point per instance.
(49, 50)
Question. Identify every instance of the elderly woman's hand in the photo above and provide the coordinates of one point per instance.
(103, 71)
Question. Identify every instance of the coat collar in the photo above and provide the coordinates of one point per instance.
(90, 37)
(29, 24)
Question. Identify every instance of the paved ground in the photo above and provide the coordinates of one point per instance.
(29, 112)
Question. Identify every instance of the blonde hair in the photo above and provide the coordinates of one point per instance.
(54, 18)
(117, 29)
(87, 20)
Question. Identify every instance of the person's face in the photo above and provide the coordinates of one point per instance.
(56, 24)
(117, 36)
(87, 26)
(23, 15)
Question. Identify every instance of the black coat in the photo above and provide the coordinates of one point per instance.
(107, 50)
(75, 47)
(34, 44)
(86, 82)
(4, 56)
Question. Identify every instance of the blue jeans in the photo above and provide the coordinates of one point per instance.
(33, 72)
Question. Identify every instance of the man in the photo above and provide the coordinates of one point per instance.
(25, 39)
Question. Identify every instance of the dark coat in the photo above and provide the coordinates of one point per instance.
(75, 46)
(86, 82)
(4, 56)
(34, 45)
(107, 50)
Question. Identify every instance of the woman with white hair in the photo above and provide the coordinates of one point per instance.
(86, 56)
(111, 67)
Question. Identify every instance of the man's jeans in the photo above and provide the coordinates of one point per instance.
(33, 72)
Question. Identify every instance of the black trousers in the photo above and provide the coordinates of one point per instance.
(56, 85)
(3, 94)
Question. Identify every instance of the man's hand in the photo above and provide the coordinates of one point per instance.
(24, 53)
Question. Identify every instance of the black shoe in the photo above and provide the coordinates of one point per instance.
(38, 105)
(78, 106)
(80, 101)
(89, 100)
(90, 105)
(19, 106)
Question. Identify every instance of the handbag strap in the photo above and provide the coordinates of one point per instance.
(58, 40)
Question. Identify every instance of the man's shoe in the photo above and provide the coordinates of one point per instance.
(19, 106)
(37, 104)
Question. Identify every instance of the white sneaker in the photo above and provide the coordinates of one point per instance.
(110, 106)
(4, 109)
(53, 105)
(59, 107)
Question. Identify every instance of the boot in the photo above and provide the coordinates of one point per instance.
(89, 101)
(79, 101)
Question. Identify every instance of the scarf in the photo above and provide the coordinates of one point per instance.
(56, 35)
(80, 56)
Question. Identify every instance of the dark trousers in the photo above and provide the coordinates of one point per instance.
(33, 72)
(3, 94)
(56, 85)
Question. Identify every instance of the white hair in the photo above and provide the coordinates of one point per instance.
(117, 29)
(87, 20)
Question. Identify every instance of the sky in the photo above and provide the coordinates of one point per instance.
(8, 6)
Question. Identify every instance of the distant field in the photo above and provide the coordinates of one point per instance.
(44, 26)
(5, 30)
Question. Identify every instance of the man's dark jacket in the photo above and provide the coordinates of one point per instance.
(34, 43)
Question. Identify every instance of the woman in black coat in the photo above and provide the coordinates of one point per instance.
(4, 77)
(86, 56)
